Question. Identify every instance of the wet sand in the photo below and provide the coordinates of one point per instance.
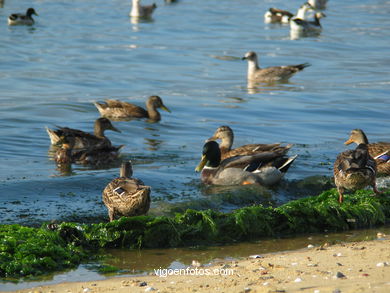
(350, 267)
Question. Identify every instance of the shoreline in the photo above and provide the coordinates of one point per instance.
(347, 267)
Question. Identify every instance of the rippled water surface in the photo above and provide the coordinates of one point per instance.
(190, 55)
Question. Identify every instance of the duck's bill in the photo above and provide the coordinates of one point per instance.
(201, 165)
(349, 141)
(113, 128)
(165, 108)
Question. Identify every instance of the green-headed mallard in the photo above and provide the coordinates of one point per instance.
(138, 10)
(269, 74)
(122, 110)
(80, 139)
(266, 168)
(126, 196)
(380, 151)
(355, 169)
(23, 19)
(225, 134)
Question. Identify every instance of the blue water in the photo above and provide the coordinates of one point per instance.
(190, 55)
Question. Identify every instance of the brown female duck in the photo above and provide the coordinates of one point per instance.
(123, 110)
(126, 196)
(380, 151)
(355, 169)
(80, 139)
(225, 134)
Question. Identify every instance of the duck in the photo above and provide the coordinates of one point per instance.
(81, 139)
(303, 26)
(22, 19)
(269, 74)
(379, 151)
(138, 10)
(318, 4)
(122, 110)
(266, 168)
(225, 134)
(274, 15)
(93, 156)
(355, 169)
(126, 196)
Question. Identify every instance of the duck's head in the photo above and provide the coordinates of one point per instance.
(126, 169)
(222, 132)
(357, 136)
(105, 124)
(250, 56)
(31, 11)
(211, 156)
(156, 102)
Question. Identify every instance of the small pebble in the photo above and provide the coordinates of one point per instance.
(310, 246)
(294, 263)
(340, 275)
(256, 256)
(86, 290)
(265, 283)
(143, 284)
(297, 280)
(382, 264)
(336, 291)
(247, 289)
(195, 263)
(337, 254)
(149, 289)
(316, 291)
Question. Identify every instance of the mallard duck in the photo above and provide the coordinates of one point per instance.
(266, 168)
(96, 156)
(379, 151)
(23, 19)
(120, 110)
(126, 196)
(318, 4)
(225, 134)
(81, 139)
(355, 169)
(269, 74)
(138, 10)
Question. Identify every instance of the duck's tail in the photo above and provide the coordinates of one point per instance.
(54, 138)
(302, 66)
(287, 164)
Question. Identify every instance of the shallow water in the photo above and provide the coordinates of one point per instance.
(149, 261)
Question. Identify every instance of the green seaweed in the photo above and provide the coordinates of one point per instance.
(26, 251)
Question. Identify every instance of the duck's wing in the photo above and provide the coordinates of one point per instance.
(251, 149)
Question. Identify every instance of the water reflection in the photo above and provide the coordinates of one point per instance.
(1, 3)
(154, 144)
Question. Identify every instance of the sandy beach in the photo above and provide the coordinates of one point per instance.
(350, 267)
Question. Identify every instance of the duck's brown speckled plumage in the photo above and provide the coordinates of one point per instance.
(355, 169)
(225, 134)
(122, 110)
(80, 139)
(126, 196)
